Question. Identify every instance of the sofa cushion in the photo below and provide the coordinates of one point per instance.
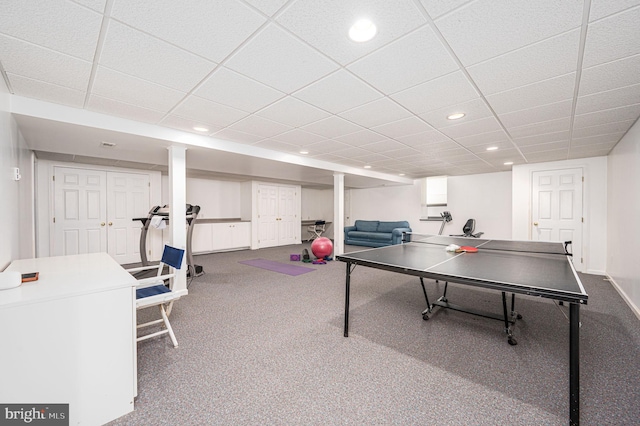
(367, 225)
(390, 226)
(383, 236)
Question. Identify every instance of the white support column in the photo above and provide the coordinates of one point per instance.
(177, 209)
(338, 214)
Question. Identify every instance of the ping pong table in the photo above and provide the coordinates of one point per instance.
(532, 268)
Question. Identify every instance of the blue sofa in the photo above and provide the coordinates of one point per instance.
(375, 233)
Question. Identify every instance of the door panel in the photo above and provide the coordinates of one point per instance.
(267, 216)
(128, 197)
(79, 211)
(557, 209)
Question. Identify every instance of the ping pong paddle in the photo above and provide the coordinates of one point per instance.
(467, 249)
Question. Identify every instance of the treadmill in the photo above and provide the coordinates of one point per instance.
(163, 212)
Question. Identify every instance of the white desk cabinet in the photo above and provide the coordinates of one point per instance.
(70, 337)
(221, 235)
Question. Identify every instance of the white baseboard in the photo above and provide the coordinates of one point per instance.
(633, 307)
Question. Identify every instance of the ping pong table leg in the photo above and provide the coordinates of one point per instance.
(346, 300)
(574, 364)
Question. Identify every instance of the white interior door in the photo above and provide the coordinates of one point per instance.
(557, 209)
(267, 216)
(127, 197)
(79, 222)
(288, 222)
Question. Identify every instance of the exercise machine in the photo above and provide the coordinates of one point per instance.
(446, 217)
(157, 214)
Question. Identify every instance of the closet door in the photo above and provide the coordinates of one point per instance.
(289, 221)
(80, 215)
(127, 197)
(267, 216)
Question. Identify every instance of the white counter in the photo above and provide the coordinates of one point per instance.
(69, 337)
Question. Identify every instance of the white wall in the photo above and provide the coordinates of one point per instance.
(484, 197)
(594, 236)
(317, 204)
(623, 213)
(16, 214)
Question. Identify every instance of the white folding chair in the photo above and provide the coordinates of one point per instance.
(152, 291)
(316, 230)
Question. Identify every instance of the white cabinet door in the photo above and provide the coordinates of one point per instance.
(278, 215)
(202, 239)
(289, 219)
(241, 235)
(267, 216)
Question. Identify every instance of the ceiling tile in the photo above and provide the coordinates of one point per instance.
(37, 63)
(97, 5)
(259, 126)
(618, 73)
(232, 135)
(590, 151)
(537, 114)
(375, 113)
(360, 138)
(121, 109)
(543, 138)
(229, 88)
(332, 127)
(56, 24)
(279, 60)
(328, 146)
(207, 112)
(404, 127)
(440, 92)
(227, 23)
(603, 129)
(612, 38)
(353, 92)
(487, 28)
(411, 60)
(278, 146)
(138, 54)
(268, 7)
(598, 139)
(601, 8)
(293, 112)
(35, 89)
(424, 138)
(610, 99)
(122, 87)
(383, 146)
(542, 127)
(535, 94)
(474, 109)
(298, 137)
(469, 128)
(325, 25)
(630, 112)
(527, 149)
(547, 59)
(494, 138)
(436, 8)
(186, 124)
(553, 155)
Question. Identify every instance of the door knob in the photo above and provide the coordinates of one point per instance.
(102, 224)
(110, 223)
(535, 223)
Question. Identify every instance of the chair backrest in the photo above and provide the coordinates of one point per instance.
(469, 227)
(172, 256)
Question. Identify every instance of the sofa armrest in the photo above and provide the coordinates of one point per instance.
(349, 228)
(396, 235)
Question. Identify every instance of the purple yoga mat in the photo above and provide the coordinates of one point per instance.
(282, 268)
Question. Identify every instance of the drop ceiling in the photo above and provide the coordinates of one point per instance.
(540, 80)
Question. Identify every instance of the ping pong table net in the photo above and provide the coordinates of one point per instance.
(532, 247)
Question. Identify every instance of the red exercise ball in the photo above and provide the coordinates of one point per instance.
(322, 247)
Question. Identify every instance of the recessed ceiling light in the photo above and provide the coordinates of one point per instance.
(363, 30)
(367, 166)
(456, 116)
(401, 174)
(492, 148)
(200, 129)
(304, 152)
(508, 163)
